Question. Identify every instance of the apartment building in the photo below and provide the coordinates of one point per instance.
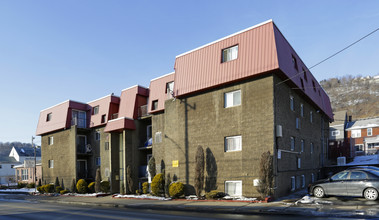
(364, 133)
(237, 97)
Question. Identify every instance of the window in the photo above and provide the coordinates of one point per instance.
(293, 183)
(97, 136)
(297, 123)
(95, 110)
(294, 62)
(302, 145)
(355, 175)
(24, 174)
(1, 166)
(302, 110)
(12, 166)
(233, 143)
(158, 137)
(98, 161)
(359, 147)
(305, 74)
(292, 143)
(292, 104)
(298, 163)
(148, 132)
(311, 116)
(154, 105)
(340, 176)
(229, 54)
(51, 163)
(79, 118)
(48, 117)
(302, 181)
(233, 188)
(312, 148)
(50, 140)
(314, 85)
(335, 133)
(169, 87)
(103, 118)
(356, 133)
(369, 131)
(302, 83)
(106, 145)
(312, 177)
(232, 99)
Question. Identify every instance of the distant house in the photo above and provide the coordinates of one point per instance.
(21, 154)
(339, 144)
(25, 172)
(7, 170)
(365, 134)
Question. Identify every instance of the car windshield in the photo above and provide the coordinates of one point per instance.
(340, 176)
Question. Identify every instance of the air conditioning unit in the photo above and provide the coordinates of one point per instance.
(341, 161)
(88, 148)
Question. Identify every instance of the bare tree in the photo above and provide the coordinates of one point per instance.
(199, 170)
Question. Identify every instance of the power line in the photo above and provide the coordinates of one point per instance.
(345, 48)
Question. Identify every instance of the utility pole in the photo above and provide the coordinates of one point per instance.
(35, 167)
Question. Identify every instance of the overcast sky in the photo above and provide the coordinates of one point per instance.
(51, 51)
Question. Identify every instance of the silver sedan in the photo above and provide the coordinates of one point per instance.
(356, 182)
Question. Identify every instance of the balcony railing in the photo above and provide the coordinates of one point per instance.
(143, 111)
(80, 123)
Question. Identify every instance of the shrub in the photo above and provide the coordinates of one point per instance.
(21, 185)
(98, 181)
(48, 188)
(214, 194)
(176, 189)
(266, 175)
(105, 186)
(63, 192)
(157, 185)
(199, 171)
(58, 189)
(73, 186)
(31, 185)
(82, 186)
(40, 189)
(91, 187)
(56, 182)
(138, 192)
(151, 167)
(145, 188)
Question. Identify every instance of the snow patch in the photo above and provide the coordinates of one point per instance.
(30, 190)
(364, 160)
(312, 200)
(141, 197)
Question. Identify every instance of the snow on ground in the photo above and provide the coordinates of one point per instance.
(311, 200)
(141, 197)
(365, 160)
(84, 195)
(18, 190)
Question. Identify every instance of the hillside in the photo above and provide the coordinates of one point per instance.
(5, 148)
(359, 96)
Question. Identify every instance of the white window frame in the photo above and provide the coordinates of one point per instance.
(96, 110)
(357, 133)
(50, 140)
(238, 187)
(229, 54)
(293, 183)
(237, 147)
(369, 131)
(230, 100)
(24, 174)
(360, 146)
(292, 103)
(51, 163)
(292, 143)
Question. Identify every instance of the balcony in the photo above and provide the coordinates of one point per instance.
(148, 145)
(80, 123)
(143, 111)
(84, 149)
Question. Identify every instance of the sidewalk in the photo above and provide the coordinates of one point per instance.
(283, 207)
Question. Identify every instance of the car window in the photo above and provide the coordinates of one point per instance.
(373, 174)
(357, 175)
(340, 176)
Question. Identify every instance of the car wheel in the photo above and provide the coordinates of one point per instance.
(318, 192)
(370, 194)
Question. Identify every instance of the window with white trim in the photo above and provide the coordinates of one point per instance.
(51, 163)
(358, 147)
(95, 110)
(302, 181)
(50, 140)
(230, 53)
(335, 133)
(302, 110)
(293, 183)
(292, 139)
(292, 103)
(369, 131)
(356, 133)
(24, 174)
(232, 99)
(233, 188)
(233, 143)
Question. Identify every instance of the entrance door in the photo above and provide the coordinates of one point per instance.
(81, 167)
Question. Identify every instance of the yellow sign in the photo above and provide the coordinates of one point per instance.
(175, 163)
